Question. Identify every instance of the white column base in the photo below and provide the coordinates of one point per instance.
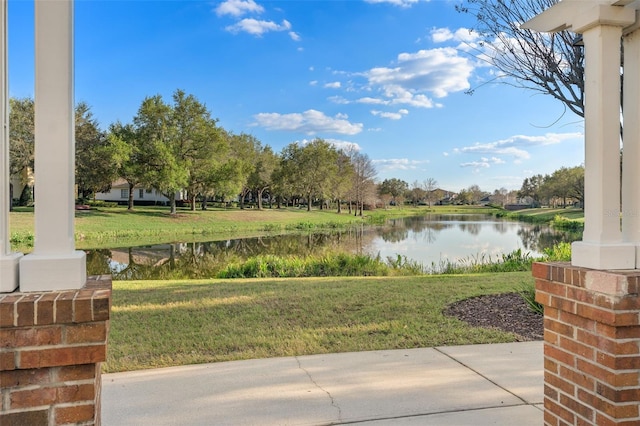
(53, 272)
(9, 267)
(603, 256)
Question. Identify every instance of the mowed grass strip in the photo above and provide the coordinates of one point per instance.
(169, 323)
(108, 227)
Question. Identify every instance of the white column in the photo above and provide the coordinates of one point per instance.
(631, 142)
(8, 260)
(54, 263)
(602, 246)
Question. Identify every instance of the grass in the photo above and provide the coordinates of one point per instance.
(104, 227)
(187, 322)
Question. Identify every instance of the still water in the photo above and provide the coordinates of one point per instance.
(430, 240)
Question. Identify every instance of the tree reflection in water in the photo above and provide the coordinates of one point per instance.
(413, 234)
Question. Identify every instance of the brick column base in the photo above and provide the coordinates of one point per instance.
(52, 345)
(591, 344)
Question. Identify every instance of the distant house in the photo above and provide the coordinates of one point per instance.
(119, 193)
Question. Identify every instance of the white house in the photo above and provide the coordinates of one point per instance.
(120, 193)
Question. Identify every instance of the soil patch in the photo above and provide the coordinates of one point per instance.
(507, 312)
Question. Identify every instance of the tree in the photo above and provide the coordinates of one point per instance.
(417, 193)
(157, 139)
(475, 194)
(500, 196)
(311, 169)
(261, 177)
(21, 139)
(547, 63)
(430, 185)
(97, 157)
(531, 187)
(364, 174)
(394, 187)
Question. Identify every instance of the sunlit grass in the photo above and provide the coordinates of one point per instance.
(167, 323)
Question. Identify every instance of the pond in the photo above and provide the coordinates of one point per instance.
(431, 240)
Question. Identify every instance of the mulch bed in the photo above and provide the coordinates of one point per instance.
(507, 312)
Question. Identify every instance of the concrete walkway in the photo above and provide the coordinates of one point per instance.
(500, 384)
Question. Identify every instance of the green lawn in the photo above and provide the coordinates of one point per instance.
(105, 227)
(168, 323)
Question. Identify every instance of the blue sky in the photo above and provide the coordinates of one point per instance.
(388, 76)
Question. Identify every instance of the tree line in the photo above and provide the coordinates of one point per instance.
(177, 146)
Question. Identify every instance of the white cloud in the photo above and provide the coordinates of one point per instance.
(400, 3)
(461, 35)
(398, 164)
(257, 27)
(373, 101)
(238, 7)
(514, 145)
(310, 122)
(391, 115)
(338, 143)
(313, 83)
(294, 36)
(437, 72)
(333, 85)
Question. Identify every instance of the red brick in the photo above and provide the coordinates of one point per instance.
(74, 414)
(101, 305)
(551, 337)
(82, 310)
(613, 347)
(32, 417)
(25, 309)
(577, 277)
(62, 356)
(64, 308)
(7, 315)
(44, 309)
(551, 365)
(577, 321)
(560, 383)
(594, 370)
(540, 270)
(577, 348)
(7, 361)
(618, 362)
(38, 336)
(10, 379)
(75, 372)
(558, 327)
(559, 355)
(557, 273)
(628, 303)
(580, 295)
(577, 407)
(86, 333)
(632, 332)
(597, 314)
(559, 410)
(562, 304)
(543, 298)
(551, 313)
(550, 392)
(75, 393)
(7, 338)
(618, 395)
(32, 397)
(552, 288)
(550, 419)
(578, 377)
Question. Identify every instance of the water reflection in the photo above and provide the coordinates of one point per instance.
(426, 239)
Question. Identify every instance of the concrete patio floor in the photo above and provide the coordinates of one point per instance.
(497, 384)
